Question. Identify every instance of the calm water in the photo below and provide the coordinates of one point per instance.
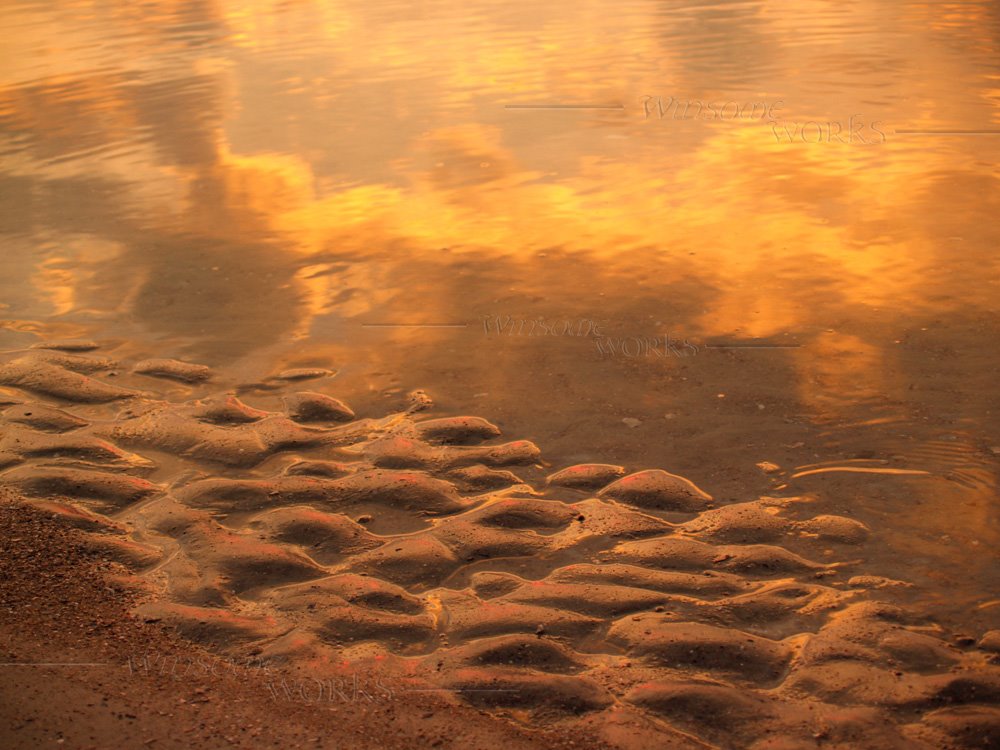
(264, 185)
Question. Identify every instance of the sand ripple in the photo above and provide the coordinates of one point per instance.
(634, 605)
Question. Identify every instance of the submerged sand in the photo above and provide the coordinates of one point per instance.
(425, 555)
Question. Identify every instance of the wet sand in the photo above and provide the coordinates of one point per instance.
(433, 556)
(141, 686)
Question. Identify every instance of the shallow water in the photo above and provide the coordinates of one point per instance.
(269, 185)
